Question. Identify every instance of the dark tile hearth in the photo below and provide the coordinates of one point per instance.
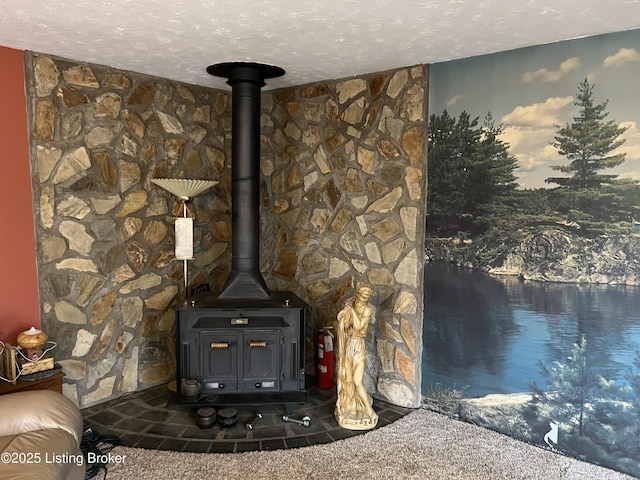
(150, 419)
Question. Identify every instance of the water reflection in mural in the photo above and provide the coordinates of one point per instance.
(569, 348)
(490, 333)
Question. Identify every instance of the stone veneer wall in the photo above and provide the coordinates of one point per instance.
(343, 166)
(348, 203)
(107, 272)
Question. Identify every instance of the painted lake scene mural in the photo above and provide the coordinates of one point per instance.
(532, 281)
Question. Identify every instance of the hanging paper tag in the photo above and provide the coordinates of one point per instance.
(184, 238)
(328, 343)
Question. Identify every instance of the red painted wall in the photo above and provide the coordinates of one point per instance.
(19, 308)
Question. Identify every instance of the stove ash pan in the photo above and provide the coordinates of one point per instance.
(227, 354)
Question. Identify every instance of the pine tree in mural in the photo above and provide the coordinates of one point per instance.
(471, 175)
(588, 143)
(449, 146)
(491, 181)
(585, 405)
(593, 200)
(569, 388)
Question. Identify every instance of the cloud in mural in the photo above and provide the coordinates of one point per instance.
(540, 115)
(533, 152)
(529, 131)
(621, 57)
(631, 175)
(532, 148)
(546, 75)
(453, 100)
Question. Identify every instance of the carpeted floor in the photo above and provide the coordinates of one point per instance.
(421, 445)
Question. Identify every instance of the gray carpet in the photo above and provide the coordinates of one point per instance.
(421, 445)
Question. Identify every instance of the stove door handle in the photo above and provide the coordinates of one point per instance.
(255, 344)
(216, 345)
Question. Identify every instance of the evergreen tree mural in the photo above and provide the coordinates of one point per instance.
(471, 175)
(585, 405)
(588, 143)
(592, 200)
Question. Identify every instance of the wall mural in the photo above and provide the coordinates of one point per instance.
(532, 288)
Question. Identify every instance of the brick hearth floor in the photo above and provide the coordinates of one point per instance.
(149, 419)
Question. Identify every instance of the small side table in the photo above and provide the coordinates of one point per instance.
(51, 382)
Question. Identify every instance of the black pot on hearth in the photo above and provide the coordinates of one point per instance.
(190, 389)
(227, 417)
(206, 417)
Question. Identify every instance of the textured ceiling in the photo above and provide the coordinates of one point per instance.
(312, 40)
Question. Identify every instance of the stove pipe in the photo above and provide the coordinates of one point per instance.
(246, 80)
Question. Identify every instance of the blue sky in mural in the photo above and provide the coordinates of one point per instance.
(532, 89)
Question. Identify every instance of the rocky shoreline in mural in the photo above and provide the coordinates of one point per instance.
(550, 255)
(509, 414)
(499, 412)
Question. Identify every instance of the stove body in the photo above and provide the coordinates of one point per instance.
(245, 353)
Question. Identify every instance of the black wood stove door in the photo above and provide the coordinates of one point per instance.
(261, 362)
(243, 360)
(220, 354)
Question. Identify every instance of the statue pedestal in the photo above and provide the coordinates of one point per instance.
(354, 423)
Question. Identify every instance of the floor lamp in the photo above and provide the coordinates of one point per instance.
(185, 189)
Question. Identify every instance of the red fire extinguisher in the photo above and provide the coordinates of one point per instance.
(325, 358)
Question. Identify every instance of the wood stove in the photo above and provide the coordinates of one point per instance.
(252, 353)
(246, 344)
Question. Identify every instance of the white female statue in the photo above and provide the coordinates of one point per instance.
(354, 405)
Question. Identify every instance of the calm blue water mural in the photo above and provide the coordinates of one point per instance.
(490, 333)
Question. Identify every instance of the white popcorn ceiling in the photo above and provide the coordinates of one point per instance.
(313, 40)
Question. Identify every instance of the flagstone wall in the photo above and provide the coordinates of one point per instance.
(343, 193)
(348, 202)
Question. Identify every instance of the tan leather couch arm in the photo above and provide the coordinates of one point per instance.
(34, 410)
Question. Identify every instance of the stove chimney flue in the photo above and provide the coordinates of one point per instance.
(246, 80)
